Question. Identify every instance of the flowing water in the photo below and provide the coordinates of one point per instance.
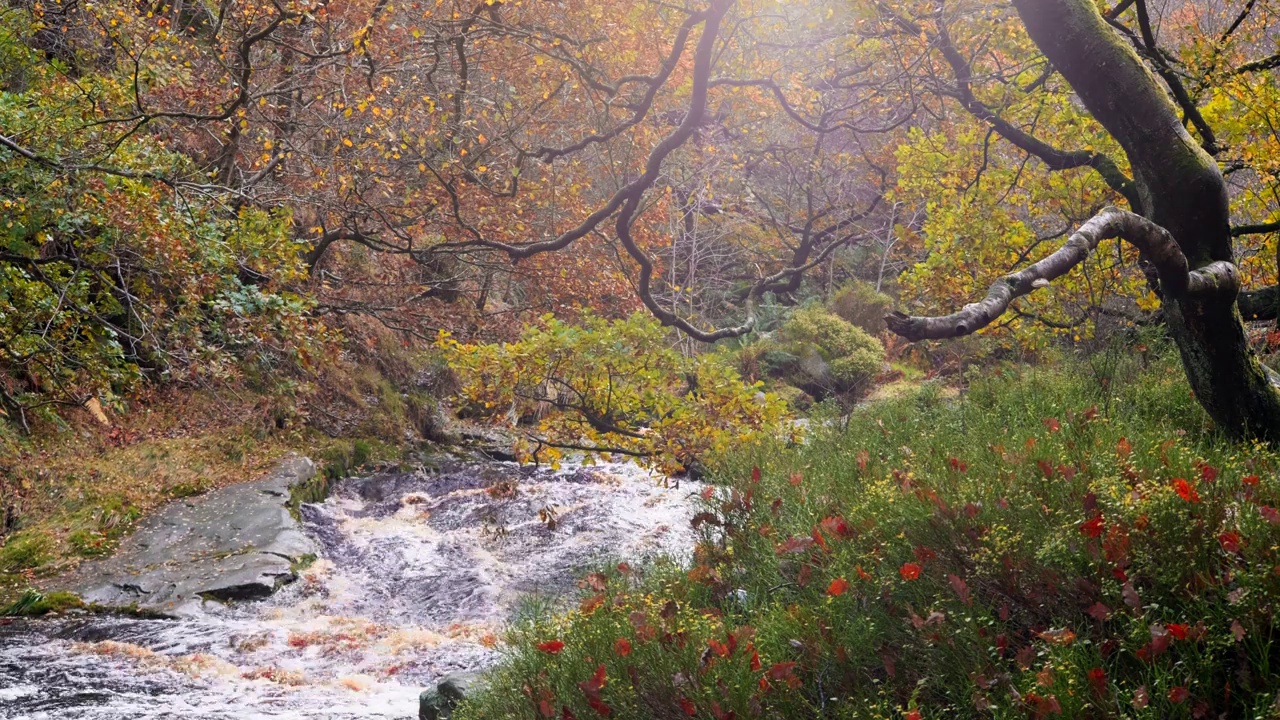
(417, 576)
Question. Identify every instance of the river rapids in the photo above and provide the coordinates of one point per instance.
(417, 576)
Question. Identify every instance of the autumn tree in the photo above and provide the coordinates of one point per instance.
(1179, 218)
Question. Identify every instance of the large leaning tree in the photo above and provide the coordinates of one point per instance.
(1179, 218)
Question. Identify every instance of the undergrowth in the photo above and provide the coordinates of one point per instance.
(1073, 541)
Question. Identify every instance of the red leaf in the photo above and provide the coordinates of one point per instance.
(1230, 541)
(1208, 473)
(781, 670)
(1269, 514)
(1097, 679)
(1178, 695)
(1185, 491)
(597, 680)
(818, 539)
(961, 587)
(837, 587)
(599, 706)
(1099, 612)
(551, 647)
(1052, 423)
(1092, 527)
(1123, 448)
(909, 571)
(1141, 698)
(861, 458)
(836, 526)
(688, 707)
(795, 545)
(755, 474)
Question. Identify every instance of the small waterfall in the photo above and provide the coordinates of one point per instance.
(417, 576)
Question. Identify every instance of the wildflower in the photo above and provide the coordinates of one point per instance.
(622, 647)
(551, 647)
(1177, 630)
(1230, 541)
(909, 571)
(1178, 695)
(837, 587)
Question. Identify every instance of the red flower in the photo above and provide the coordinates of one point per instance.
(1250, 480)
(1208, 473)
(913, 715)
(1269, 514)
(909, 571)
(1178, 695)
(1052, 423)
(688, 707)
(957, 464)
(1177, 630)
(622, 647)
(551, 647)
(1092, 527)
(1185, 491)
(837, 587)
(1230, 541)
(1097, 679)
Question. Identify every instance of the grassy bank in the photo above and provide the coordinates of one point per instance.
(73, 494)
(1071, 540)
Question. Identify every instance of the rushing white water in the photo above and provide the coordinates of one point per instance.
(418, 574)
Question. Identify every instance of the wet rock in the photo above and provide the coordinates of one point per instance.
(235, 543)
(490, 442)
(438, 704)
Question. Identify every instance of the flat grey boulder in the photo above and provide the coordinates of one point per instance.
(239, 542)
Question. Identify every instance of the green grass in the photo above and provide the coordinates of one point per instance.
(1021, 550)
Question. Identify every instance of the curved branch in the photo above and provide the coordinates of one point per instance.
(1054, 158)
(1156, 244)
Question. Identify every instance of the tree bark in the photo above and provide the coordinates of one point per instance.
(1182, 190)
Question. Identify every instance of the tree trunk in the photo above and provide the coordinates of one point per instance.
(1181, 189)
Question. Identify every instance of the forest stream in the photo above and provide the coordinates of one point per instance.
(415, 577)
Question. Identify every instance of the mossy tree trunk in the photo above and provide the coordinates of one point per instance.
(1182, 190)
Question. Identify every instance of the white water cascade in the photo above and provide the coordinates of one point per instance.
(418, 574)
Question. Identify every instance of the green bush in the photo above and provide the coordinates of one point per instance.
(852, 356)
(1020, 552)
(861, 304)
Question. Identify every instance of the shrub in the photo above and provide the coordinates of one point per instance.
(609, 387)
(1017, 553)
(862, 305)
(852, 357)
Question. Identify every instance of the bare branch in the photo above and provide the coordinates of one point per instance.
(1156, 244)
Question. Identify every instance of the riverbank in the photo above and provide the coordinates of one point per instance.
(73, 493)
